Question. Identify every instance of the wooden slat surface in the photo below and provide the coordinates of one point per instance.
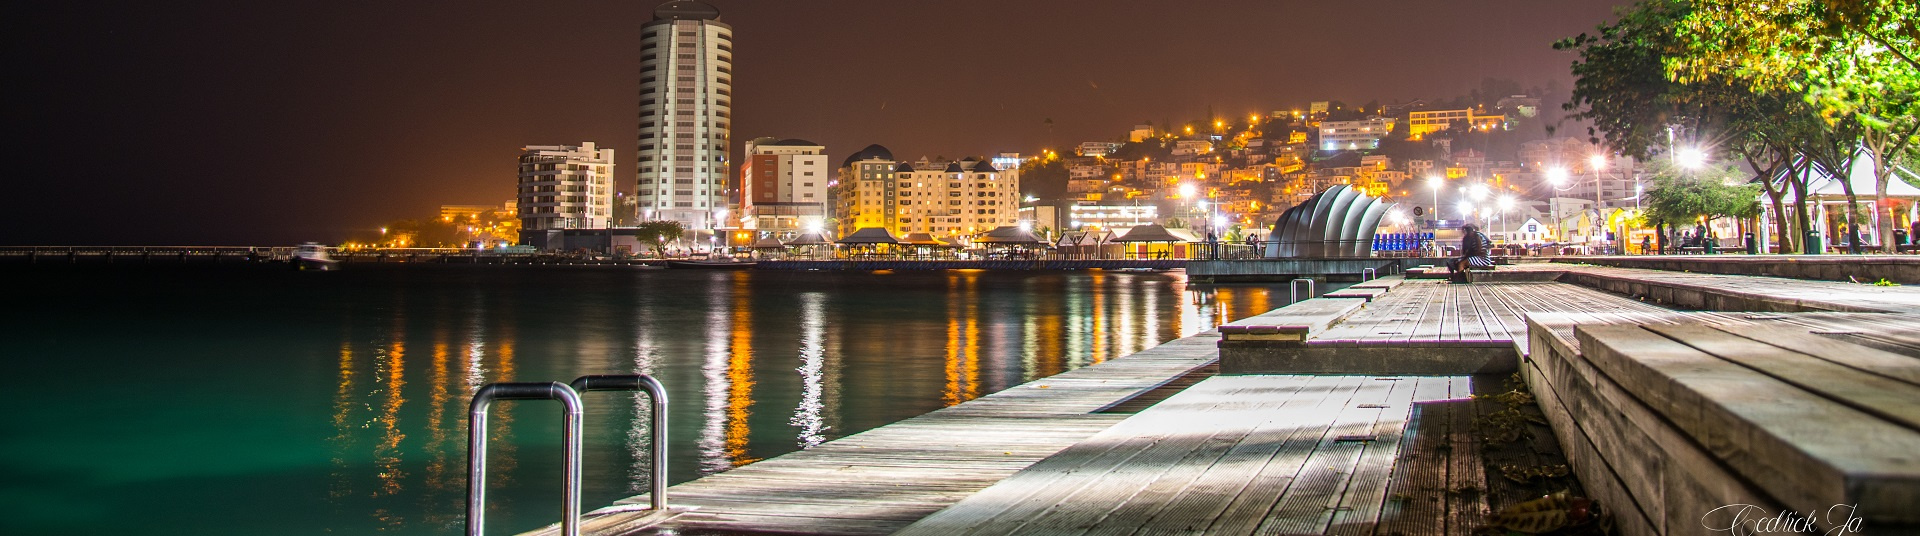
(881, 480)
(1431, 312)
(1808, 295)
(1802, 446)
(1279, 454)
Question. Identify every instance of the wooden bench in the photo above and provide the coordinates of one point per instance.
(1670, 416)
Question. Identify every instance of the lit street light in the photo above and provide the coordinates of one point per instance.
(1690, 158)
(1435, 182)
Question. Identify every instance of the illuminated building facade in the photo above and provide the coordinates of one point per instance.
(962, 197)
(1419, 124)
(1354, 135)
(686, 92)
(783, 186)
(565, 187)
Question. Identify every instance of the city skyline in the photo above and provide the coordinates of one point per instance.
(297, 102)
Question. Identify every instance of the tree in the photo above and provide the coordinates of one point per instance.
(1622, 88)
(1044, 177)
(1680, 197)
(1855, 60)
(658, 233)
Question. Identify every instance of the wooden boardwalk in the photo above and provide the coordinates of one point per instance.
(1289, 454)
(1736, 292)
(881, 480)
(1360, 452)
(1432, 313)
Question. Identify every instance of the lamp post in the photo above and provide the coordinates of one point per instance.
(1598, 162)
(1435, 182)
(1506, 204)
(1555, 177)
(1186, 200)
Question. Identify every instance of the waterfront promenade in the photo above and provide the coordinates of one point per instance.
(1369, 450)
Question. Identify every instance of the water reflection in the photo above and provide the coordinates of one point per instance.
(808, 415)
(398, 465)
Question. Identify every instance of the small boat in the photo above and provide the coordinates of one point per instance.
(717, 262)
(313, 256)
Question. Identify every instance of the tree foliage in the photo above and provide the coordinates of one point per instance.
(658, 233)
(1681, 197)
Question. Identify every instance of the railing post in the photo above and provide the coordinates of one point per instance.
(477, 449)
(658, 395)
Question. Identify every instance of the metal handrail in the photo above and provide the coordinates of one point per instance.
(1369, 274)
(656, 392)
(1293, 290)
(477, 449)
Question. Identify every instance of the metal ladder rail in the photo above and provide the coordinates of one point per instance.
(477, 449)
(658, 394)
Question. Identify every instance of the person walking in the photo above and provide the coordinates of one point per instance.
(1473, 254)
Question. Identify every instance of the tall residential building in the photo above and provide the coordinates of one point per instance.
(783, 186)
(686, 93)
(565, 187)
(963, 197)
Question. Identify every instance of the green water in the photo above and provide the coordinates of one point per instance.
(252, 400)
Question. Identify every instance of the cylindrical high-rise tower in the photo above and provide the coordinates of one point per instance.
(686, 94)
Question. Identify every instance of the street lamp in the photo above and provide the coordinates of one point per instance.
(1435, 182)
(1690, 158)
(1555, 177)
(1186, 199)
(1506, 204)
(1598, 162)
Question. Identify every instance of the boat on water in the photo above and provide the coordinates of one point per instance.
(313, 256)
(717, 262)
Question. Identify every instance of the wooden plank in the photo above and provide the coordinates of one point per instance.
(1466, 474)
(1881, 396)
(1308, 504)
(1418, 490)
(1361, 505)
(1233, 494)
(1012, 503)
(1883, 363)
(1808, 451)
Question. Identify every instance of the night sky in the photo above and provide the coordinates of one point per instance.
(269, 123)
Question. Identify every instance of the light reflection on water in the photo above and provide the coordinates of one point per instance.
(366, 423)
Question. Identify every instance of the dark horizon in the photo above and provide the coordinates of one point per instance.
(260, 124)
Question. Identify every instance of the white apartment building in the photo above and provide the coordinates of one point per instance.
(686, 93)
(1096, 148)
(783, 186)
(958, 198)
(565, 187)
(1354, 135)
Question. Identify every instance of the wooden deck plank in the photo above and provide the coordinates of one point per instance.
(1361, 505)
(1881, 396)
(1311, 501)
(1225, 499)
(1782, 437)
(1417, 490)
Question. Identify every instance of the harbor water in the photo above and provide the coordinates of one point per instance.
(261, 400)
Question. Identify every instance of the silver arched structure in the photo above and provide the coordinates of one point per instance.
(1337, 223)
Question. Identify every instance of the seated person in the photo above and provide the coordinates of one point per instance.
(1473, 254)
